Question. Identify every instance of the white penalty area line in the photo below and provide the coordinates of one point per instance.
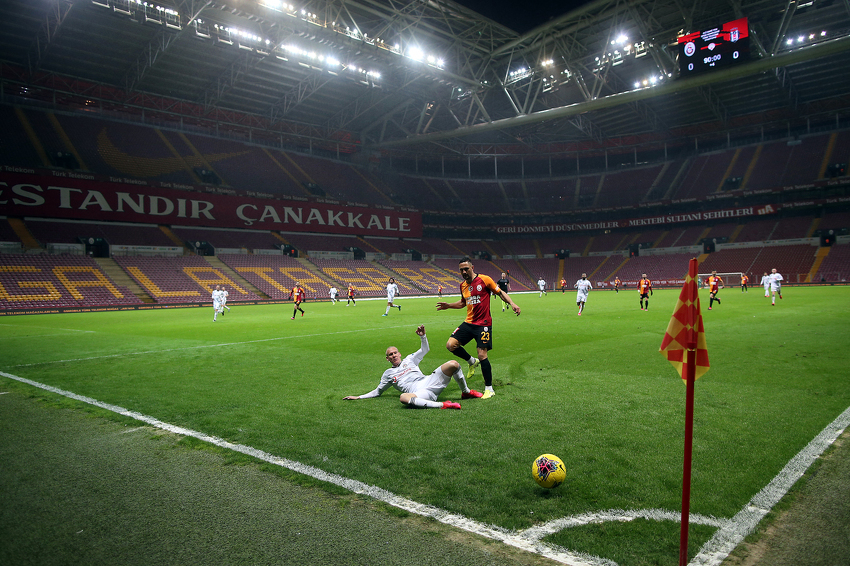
(730, 532)
(201, 347)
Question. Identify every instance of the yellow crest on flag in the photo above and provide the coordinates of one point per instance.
(685, 330)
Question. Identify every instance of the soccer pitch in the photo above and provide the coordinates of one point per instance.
(592, 389)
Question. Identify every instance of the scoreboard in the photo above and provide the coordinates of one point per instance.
(715, 48)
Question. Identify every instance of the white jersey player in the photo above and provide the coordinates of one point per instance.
(333, 293)
(223, 295)
(765, 280)
(418, 389)
(541, 284)
(216, 300)
(775, 285)
(392, 290)
(584, 287)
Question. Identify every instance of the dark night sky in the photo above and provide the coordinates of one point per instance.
(521, 16)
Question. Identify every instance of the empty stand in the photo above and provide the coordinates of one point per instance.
(757, 230)
(224, 238)
(276, 275)
(66, 231)
(836, 265)
(575, 266)
(367, 279)
(44, 281)
(186, 279)
(547, 268)
(656, 267)
(424, 276)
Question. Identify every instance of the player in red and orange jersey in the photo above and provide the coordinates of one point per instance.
(440, 290)
(714, 284)
(475, 291)
(744, 281)
(297, 296)
(617, 284)
(645, 290)
(563, 285)
(351, 295)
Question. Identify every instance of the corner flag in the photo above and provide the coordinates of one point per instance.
(685, 330)
(684, 347)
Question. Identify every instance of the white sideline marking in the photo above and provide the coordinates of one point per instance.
(724, 541)
(50, 328)
(38, 335)
(729, 534)
(146, 352)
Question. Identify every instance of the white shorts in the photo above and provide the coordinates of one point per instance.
(581, 297)
(431, 387)
(390, 298)
(775, 286)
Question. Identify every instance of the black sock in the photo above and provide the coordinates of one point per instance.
(487, 372)
(461, 353)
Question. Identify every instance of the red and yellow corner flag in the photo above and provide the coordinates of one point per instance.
(685, 331)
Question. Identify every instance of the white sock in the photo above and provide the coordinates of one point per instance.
(425, 403)
(388, 310)
(488, 388)
(472, 361)
(461, 380)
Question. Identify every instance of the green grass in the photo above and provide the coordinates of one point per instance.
(592, 389)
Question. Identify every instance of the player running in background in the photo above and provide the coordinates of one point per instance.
(744, 281)
(714, 284)
(617, 284)
(333, 293)
(645, 290)
(440, 290)
(216, 299)
(475, 293)
(765, 280)
(418, 389)
(392, 290)
(297, 296)
(505, 285)
(351, 295)
(224, 294)
(775, 285)
(563, 285)
(584, 287)
(541, 284)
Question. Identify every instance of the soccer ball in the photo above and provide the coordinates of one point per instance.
(548, 471)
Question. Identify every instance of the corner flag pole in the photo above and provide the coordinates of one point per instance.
(689, 441)
(684, 346)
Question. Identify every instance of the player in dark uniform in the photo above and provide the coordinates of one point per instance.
(505, 285)
(475, 296)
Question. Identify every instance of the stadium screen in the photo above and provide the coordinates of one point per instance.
(716, 48)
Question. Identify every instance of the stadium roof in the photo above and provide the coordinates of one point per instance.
(430, 76)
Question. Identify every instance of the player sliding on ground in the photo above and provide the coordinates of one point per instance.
(418, 389)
